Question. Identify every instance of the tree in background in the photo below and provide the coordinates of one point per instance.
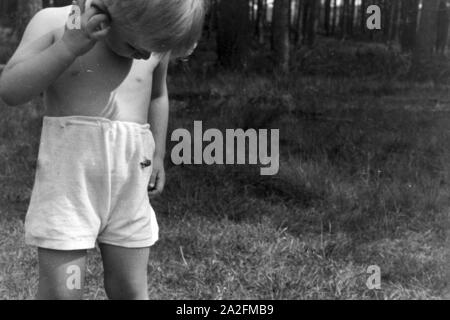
(394, 21)
(26, 9)
(442, 27)
(8, 9)
(426, 36)
(409, 18)
(327, 17)
(335, 14)
(233, 34)
(351, 16)
(298, 22)
(237, 24)
(280, 32)
(362, 16)
(60, 3)
(311, 22)
(305, 15)
(260, 20)
(344, 19)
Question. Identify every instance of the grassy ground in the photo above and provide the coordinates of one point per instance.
(364, 180)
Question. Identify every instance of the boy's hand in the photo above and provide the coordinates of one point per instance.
(158, 178)
(93, 26)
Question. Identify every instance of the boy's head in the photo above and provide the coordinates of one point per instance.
(139, 27)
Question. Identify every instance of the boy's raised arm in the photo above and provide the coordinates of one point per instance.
(35, 63)
(40, 60)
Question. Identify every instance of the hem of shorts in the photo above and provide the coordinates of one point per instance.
(59, 244)
(129, 244)
(92, 119)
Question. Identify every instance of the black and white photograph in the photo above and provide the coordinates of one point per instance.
(224, 150)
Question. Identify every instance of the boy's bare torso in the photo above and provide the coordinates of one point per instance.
(101, 83)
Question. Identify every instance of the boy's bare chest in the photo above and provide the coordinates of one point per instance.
(93, 80)
(99, 72)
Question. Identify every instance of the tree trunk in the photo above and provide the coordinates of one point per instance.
(312, 22)
(426, 36)
(305, 15)
(344, 18)
(212, 19)
(259, 25)
(351, 16)
(318, 14)
(442, 27)
(8, 11)
(280, 31)
(335, 17)
(299, 22)
(393, 35)
(233, 33)
(408, 24)
(386, 7)
(26, 9)
(290, 19)
(62, 3)
(362, 17)
(252, 11)
(327, 16)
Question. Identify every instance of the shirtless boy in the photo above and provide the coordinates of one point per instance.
(103, 138)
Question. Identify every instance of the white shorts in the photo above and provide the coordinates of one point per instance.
(92, 185)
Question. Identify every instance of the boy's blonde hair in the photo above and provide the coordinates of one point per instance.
(169, 25)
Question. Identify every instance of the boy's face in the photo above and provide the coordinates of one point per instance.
(126, 44)
(120, 40)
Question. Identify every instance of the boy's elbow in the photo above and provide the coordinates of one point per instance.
(4, 94)
(7, 97)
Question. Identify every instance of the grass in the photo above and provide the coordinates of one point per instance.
(364, 180)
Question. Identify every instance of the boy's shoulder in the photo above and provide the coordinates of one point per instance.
(56, 16)
(51, 18)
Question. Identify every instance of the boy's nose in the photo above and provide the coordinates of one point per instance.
(141, 55)
(145, 55)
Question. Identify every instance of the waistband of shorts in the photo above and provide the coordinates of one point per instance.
(94, 121)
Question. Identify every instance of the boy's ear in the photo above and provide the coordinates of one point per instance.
(100, 4)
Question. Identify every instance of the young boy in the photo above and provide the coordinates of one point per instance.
(104, 86)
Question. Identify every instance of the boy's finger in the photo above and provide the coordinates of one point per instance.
(159, 188)
(191, 51)
(91, 12)
(100, 34)
(154, 193)
(87, 15)
(157, 182)
(96, 23)
(160, 183)
(153, 179)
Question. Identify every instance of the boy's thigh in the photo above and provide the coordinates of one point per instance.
(125, 266)
(61, 274)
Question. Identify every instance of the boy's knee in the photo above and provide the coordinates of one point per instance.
(126, 289)
(52, 293)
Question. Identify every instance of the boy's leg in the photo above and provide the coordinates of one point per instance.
(125, 272)
(61, 274)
